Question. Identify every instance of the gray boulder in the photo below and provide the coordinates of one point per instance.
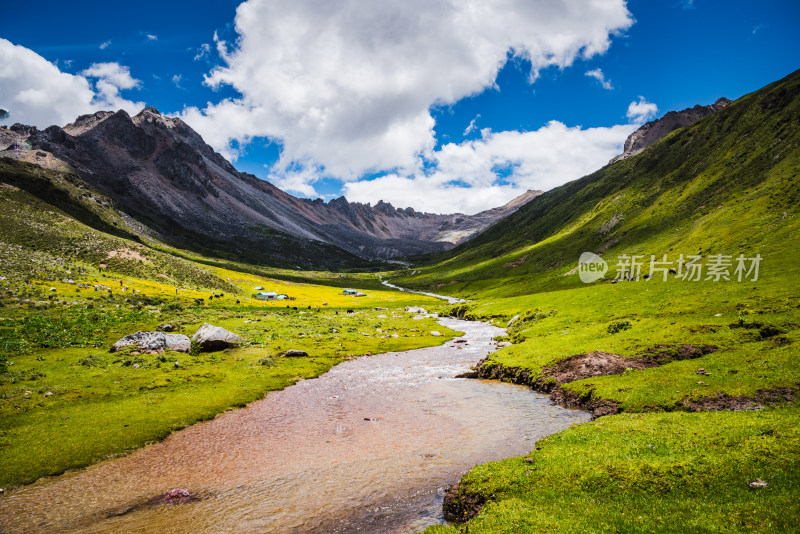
(212, 338)
(154, 342)
(512, 321)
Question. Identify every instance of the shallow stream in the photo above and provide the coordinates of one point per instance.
(367, 447)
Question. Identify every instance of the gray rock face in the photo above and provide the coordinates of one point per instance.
(212, 338)
(655, 130)
(154, 342)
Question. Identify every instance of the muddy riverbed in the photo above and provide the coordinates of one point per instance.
(367, 447)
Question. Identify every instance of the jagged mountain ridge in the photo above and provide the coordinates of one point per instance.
(163, 175)
(652, 131)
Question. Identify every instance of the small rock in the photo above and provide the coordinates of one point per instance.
(294, 353)
(504, 344)
(436, 333)
(49, 394)
(513, 320)
(528, 460)
(757, 483)
(135, 365)
(702, 371)
(179, 496)
(177, 365)
(418, 317)
(717, 315)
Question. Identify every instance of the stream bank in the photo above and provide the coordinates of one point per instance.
(369, 446)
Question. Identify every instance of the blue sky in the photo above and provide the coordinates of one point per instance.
(419, 109)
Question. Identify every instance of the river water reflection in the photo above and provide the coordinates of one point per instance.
(367, 447)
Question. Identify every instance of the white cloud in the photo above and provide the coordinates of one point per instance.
(151, 37)
(203, 52)
(598, 75)
(484, 173)
(641, 111)
(176, 79)
(471, 126)
(36, 92)
(113, 73)
(105, 44)
(349, 85)
(298, 179)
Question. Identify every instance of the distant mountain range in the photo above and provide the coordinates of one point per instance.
(169, 185)
(172, 186)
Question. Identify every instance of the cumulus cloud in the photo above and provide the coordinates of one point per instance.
(36, 92)
(484, 173)
(641, 111)
(350, 85)
(598, 75)
(298, 179)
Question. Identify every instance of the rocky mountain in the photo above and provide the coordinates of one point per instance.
(652, 131)
(172, 186)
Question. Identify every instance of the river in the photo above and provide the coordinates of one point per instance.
(367, 447)
(450, 300)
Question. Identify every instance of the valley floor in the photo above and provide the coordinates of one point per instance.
(67, 402)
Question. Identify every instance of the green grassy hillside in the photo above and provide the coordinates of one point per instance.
(727, 184)
(695, 382)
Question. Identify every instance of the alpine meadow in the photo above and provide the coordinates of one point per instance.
(402, 268)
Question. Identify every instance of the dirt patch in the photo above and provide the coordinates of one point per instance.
(517, 262)
(588, 366)
(663, 354)
(587, 401)
(721, 402)
(460, 506)
(127, 254)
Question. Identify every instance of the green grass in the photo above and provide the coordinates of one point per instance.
(663, 472)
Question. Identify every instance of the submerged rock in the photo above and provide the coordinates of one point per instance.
(154, 342)
(212, 338)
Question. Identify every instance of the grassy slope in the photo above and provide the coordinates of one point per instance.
(729, 184)
(66, 402)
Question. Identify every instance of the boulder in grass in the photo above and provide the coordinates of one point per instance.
(212, 338)
(294, 353)
(154, 342)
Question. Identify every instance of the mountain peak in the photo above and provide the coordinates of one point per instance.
(654, 130)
